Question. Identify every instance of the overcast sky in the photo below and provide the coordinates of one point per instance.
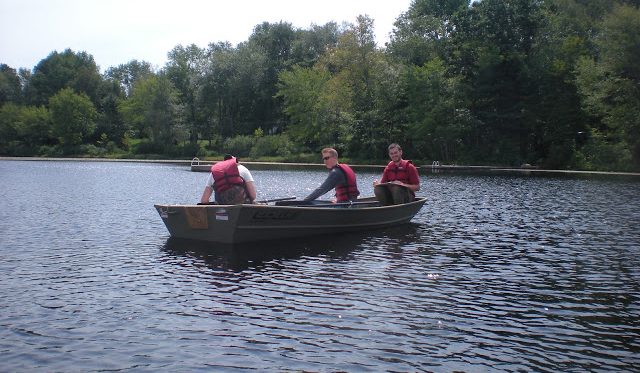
(115, 32)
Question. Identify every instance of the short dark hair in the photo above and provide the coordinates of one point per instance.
(394, 145)
(330, 151)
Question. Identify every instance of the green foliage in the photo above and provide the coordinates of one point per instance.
(92, 150)
(10, 85)
(239, 146)
(609, 86)
(278, 145)
(73, 117)
(309, 45)
(126, 75)
(552, 83)
(184, 70)
(50, 151)
(601, 153)
(148, 147)
(301, 90)
(153, 109)
(68, 69)
(423, 32)
(24, 128)
(432, 110)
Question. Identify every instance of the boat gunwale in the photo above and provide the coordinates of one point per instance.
(323, 207)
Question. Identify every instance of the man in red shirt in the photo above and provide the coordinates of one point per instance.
(399, 180)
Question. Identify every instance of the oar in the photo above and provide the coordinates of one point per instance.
(329, 204)
(263, 201)
(346, 204)
(277, 199)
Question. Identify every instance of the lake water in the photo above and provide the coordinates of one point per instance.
(495, 273)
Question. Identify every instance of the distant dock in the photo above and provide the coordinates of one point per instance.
(205, 166)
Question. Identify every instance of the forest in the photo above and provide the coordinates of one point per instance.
(553, 84)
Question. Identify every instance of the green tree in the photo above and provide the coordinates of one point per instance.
(273, 42)
(301, 90)
(73, 117)
(438, 119)
(565, 35)
(493, 40)
(609, 87)
(214, 95)
(356, 66)
(246, 103)
(110, 123)
(10, 85)
(184, 70)
(126, 75)
(344, 98)
(23, 129)
(424, 31)
(309, 45)
(68, 69)
(237, 90)
(153, 110)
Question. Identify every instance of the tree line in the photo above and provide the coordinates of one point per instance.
(551, 83)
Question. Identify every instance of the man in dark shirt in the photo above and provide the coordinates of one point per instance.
(341, 177)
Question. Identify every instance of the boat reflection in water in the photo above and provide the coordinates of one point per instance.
(238, 257)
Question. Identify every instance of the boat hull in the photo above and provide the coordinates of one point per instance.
(253, 222)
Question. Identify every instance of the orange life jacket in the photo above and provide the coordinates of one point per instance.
(398, 172)
(225, 175)
(348, 191)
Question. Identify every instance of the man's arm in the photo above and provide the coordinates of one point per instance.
(206, 194)
(383, 179)
(250, 187)
(334, 178)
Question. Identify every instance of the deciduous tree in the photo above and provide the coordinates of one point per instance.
(73, 117)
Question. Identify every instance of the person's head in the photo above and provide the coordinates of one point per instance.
(229, 156)
(395, 152)
(329, 157)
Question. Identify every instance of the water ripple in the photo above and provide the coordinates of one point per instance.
(493, 274)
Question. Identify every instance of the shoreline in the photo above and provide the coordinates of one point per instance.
(197, 166)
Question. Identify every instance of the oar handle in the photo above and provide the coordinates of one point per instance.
(327, 204)
(346, 204)
(277, 199)
(263, 201)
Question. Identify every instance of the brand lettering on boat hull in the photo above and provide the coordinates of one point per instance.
(274, 215)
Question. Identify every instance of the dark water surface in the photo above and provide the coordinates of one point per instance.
(496, 273)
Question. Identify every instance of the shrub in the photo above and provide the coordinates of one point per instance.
(188, 150)
(92, 150)
(240, 146)
(148, 147)
(50, 151)
(274, 145)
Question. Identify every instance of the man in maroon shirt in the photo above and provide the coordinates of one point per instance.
(399, 180)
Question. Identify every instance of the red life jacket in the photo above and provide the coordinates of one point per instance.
(225, 175)
(398, 172)
(348, 191)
